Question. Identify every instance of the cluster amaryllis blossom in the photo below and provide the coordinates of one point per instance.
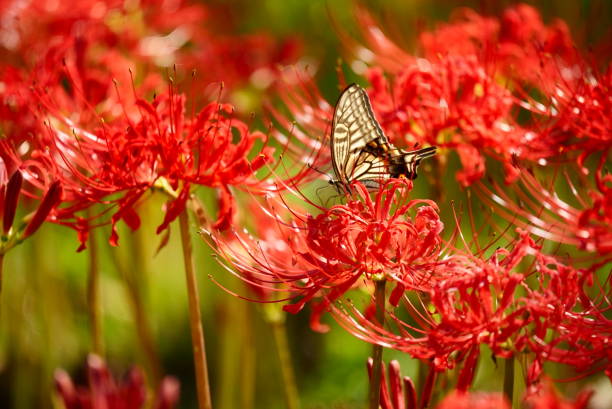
(147, 32)
(581, 220)
(14, 232)
(115, 161)
(400, 393)
(503, 87)
(491, 301)
(104, 391)
(515, 43)
(82, 65)
(451, 102)
(318, 258)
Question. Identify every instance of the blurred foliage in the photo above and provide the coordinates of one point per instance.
(44, 323)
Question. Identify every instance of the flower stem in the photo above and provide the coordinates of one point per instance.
(377, 350)
(143, 329)
(195, 320)
(1, 270)
(247, 377)
(93, 297)
(280, 336)
(509, 379)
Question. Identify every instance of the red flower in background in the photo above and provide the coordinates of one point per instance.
(472, 300)
(449, 102)
(80, 64)
(401, 394)
(115, 161)
(547, 398)
(10, 192)
(159, 32)
(514, 43)
(474, 400)
(105, 392)
(508, 87)
(582, 220)
(330, 253)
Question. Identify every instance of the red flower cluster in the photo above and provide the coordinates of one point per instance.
(400, 393)
(162, 147)
(582, 221)
(10, 191)
(105, 392)
(473, 90)
(330, 253)
(147, 32)
(86, 67)
(490, 301)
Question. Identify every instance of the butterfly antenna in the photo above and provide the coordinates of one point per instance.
(311, 167)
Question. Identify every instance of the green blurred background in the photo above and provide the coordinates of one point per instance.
(44, 323)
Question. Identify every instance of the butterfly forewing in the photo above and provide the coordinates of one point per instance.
(353, 127)
(359, 148)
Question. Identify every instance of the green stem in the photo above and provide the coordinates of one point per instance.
(247, 377)
(144, 335)
(280, 336)
(1, 270)
(93, 296)
(195, 320)
(143, 329)
(377, 350)
(509, 379)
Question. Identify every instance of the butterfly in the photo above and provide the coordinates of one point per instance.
(360, 151)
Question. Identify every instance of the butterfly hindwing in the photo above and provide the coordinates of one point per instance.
(402, 163)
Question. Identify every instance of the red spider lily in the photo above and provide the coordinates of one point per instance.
(83, 58)
(512, 45)
(105, 392)
(547, 398)
(10, 191)
(474, 400)
(568, 324)
(474, 87)
(330, 253)
(583, 221)
(449, 102)
(117, 161)
(401, 394)
(571, 118)
(516, 42)
(490, 301)
(162, 33)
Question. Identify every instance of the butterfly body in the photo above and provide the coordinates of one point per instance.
(360, 150)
